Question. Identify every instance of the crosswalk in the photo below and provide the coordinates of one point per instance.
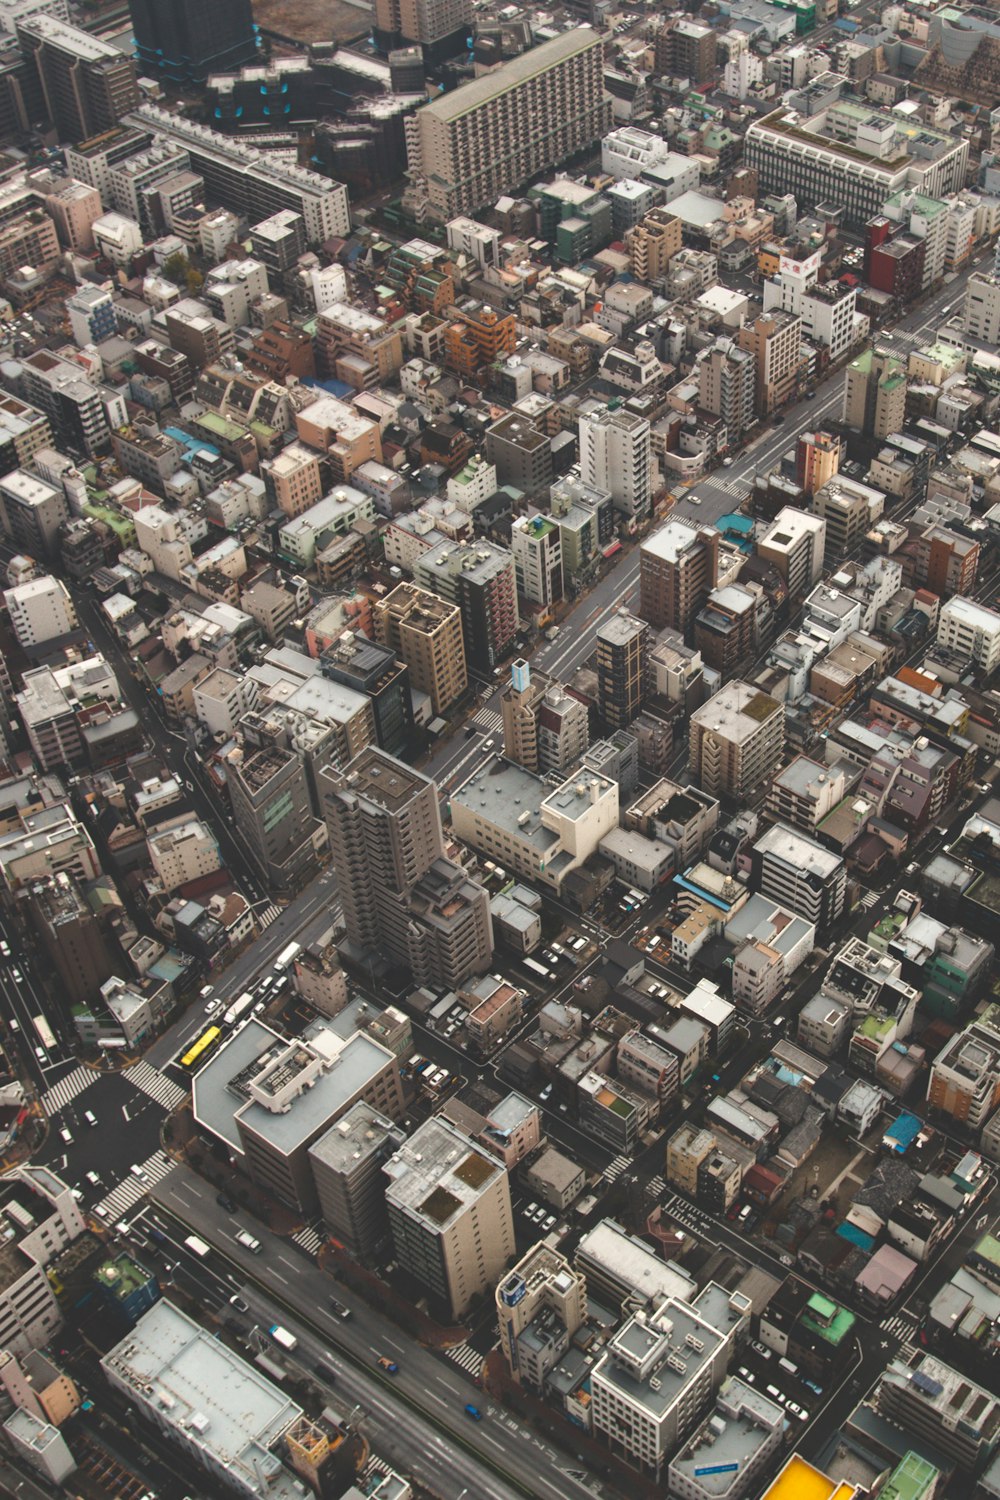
(656, 1187)
(614, 1169)
(268, 915)
(118, 1202)
(868, 900)
(308, 1240)
(467, 1358)
(901, 1326)
(490, 720)
(152, 1082)
(66, 1090)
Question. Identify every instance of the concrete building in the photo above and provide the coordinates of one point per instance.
(40, 611)
(544, 728)
(403, 899)
(654, 241)
(795, 543)
(981, 309)
(849, 510)
(736, 740)
(347, 1167)
(536, 546)
(817, 459)
(804, 792)
(774, 339)
(540, 1304)
(521, 454)
(40, 1219)
(726, 388)
(875, 394)
(827, 309)
(271, 808)
(800, 873)
(927, 1396)
(72, 937)
(468, 147)
(31, 512)
(183, 853)
(425, 632)
(616, 455)
(964, 1080)
(88, 85)
(450, 1215)
(972, 630)
(623, 644)
(225, 1413)
(436, 25)
(678, 568)
(479, 577)
(732, 1449)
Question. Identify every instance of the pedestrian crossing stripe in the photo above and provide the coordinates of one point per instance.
(65, 1091)
(152, 1082)
(269, 914)
(118, 1202)
(488, 719)
(616, 1168)
(467, 1358)
(308, 1240)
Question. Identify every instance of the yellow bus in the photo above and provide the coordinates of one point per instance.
(202, 1046)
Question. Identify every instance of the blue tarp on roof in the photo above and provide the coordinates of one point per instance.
(902, 1133)
(856, 1236)
(192, 444)
(338, 388)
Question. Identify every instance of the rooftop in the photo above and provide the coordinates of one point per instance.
(438, 1174)
(511, 74)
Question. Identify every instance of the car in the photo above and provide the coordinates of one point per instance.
(389, 1365)
(212, 1007)
(5, 948)
(339, 1308)
(778, 420)
(810, 395)
(239, 1304)
(470, 730)
(90, 1117)
(16, 973)
(550, 1223)
(41, 1054)
(473, 1412)
(66, 1136)
(224, 1201)
(760, 1349)
(727, 463)
(531, 1210)
(325, 1371)
(773, 1392)
(92, 1178)
(798, 1411)
(812, 1386)
(546, 1093)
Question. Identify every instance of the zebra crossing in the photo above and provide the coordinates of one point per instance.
(614, 1169)
(868, 900)
(66, 1090)
(268, 915)
(308, 1240)
(467, 1358)
(152, 1082)
(489, 720)
(901, 1326)
(118, 1202)
(656, 1187)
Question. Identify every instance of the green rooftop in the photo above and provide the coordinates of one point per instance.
(221, 426)
(833, 1328)
(121, 1276)
(875, 1027)
(121, 524)
(913, 1478)
(988, 1248)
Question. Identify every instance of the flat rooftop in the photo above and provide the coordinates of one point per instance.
(511, 74)
(438, 1174)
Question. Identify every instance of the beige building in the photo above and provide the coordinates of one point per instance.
(687, 1148)
(544, 728)
(336, 429)
(425, 631)
(541, 1303)
(652, 243)
(481, 140)
(358, 347)
(292, 479)
(40, 610)
(450, 1215)
(736, 740)
(795, 542)
(875, 394)
(424, 21)
(775, 341)
(184, 853)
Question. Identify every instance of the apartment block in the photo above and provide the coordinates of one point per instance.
(347, 1163)
(88, 85)
(849, 509)
(652, 244)
(479, 577)
(357, 347)
(487, 137)
(800, 873)
(955, 1415)
(971, 629)
(774, 339)
(736, 740)
(616, 455)
(183, 853)
(450, 1215)
(272, 810)
(520, 453)
(541, 1303)
(795, 543)
(425, 632)
(40, 1219)
(817, 459)
(875, 394)
(40, 610)
(544, 728)
(964, 1080)
(726, 388)
(805, 792)
(623, 644)
(678, 567)
(536, 546)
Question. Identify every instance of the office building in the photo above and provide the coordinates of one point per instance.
(827, 310)
(971, 629)
(800, 873)
(726, 388)
(616, 455)
(536, 546)
(72, 937)
(805, 792)
(87, 84)
(57, 705)
(271, 809)
(544, 728)
(848, 509)
(40, 611)
(736, 740)
(955, 1415)
(40, 1219)
(981, 309)
(795, 543)
(79, 414)
(450, 1215)
(774, 339)
(520, 453)
(222, 1411)
(250, 182)
(486, 137)
(479, 577)
(347, 1164)
(541, 1303)
(739, 1440)
(425, 632)
(403, 899)
(686, 49)
(183, 853)
(875, 394)
(623, 644)
(677, 570)
(853, 155)
(373, 669)
(91, 315)
(181, 42)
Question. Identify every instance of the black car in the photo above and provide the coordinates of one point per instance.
(224, 1201)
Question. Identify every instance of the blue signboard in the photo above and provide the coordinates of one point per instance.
(716, 1469)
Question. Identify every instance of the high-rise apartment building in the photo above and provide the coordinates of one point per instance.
(293, 479)
(981, 310)
(180, 42)
(804, 876)
(623, 644)
(373, 669)
(726, 387)
(271, 810)
(652, 243)
(402, 898)
(478, 577)
(544, 727)
(450, 1215)
(775, 341)
(875, 394)
(88, 85)
(521, 454)
(439, 26)
(795, 543)
(536, 546)
(541, 1303)
(736, 740)
(485, 138)
(817, 459)
(347, 1165)
(425, 632)
(686, 49)
(616, 455)
(677, 570)
(71, 935)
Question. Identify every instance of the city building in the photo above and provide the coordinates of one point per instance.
(40, 611)
(817, 460)
(981, 309)
(654, 241)
(31, 513)
(726, 388)
(536, 546)
(479, 577)
(954, 1414)
(795, 543)
(486, 137)
(544, 727)
(964, 1079)
(875, 394)
(541, 1303)
(450, 1215)
(686, 49)
(347, 1164)
(800, 873)
(774, 339)
(183, 853)
(736, 740)
(439, 27)
(678, 568)
(972, 630)
(827, 309)
(182, 42)
(848, 509)
(425, 632)
(40, 1218)
(403, 900)
(87, 84)
(72, 937)
(269, 795)
(616, 456)
(734, 1446)
(623, 643)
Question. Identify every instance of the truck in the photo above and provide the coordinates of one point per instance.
(239, 1008)
(245, 1238)
(281, 1336)
(195, 1245)
(287, 957)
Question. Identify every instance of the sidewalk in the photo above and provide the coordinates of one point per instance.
(337, 1263)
